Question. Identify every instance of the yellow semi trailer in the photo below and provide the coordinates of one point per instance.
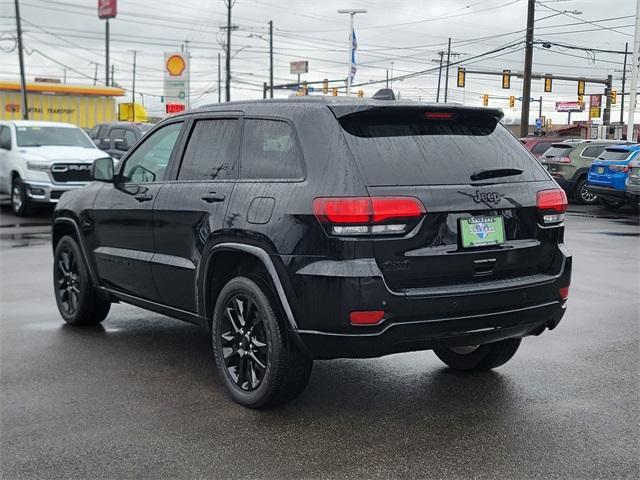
(81, 105)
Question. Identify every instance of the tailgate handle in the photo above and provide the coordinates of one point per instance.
(484, 266)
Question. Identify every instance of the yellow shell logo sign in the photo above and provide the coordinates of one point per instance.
(175, 65)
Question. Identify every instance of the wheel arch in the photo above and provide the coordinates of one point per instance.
(63, 226)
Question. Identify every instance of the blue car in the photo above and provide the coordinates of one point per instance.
(608, 175)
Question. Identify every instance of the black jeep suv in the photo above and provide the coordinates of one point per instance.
(318, 228)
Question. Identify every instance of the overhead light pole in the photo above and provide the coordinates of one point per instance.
(23, 82)
(634, 75)
(351, 13)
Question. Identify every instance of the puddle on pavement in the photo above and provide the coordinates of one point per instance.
(621, 234)
(25, 240)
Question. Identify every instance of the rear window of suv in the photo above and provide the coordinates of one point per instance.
(558, 150)
(415, 146)
(614, 154)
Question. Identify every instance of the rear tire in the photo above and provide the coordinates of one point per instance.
(78, 302)
(611, 205)
(254, 357)
(480, 358)
(20, 204)
(582, 195)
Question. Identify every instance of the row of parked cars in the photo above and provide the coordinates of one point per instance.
(39, 161)
(591, 171)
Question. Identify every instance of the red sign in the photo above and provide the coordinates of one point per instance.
(107, 8)
(569, 107)
(172, 108)
(595, 100)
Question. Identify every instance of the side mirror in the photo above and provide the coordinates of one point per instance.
(121, 144)
(102, 170)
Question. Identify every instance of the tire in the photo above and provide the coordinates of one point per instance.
(479, 358)
(20, 204)
(611, 205)
(581, 194)
(77, 300)
(254, 357)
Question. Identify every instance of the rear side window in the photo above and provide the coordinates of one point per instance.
(5, 138)
(269, 151)
(541, 147)
(614, 154)
(414, 146)
(212, 151)
(130, 137)
(593, 151)
(558, 150)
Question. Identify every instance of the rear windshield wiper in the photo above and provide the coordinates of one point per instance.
(495, 172)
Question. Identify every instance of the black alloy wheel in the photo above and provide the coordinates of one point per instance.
(244, 341)
(68, 281)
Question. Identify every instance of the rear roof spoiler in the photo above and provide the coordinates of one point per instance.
(342, 110)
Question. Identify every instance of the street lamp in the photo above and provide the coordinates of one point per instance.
(351, 13)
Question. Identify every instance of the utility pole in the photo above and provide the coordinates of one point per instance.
(23, 82)
(441, 53)
(606, 115)
(219, 81)
(270, 58)
(387, 84)
(634, 75)
(391, 79)
(540, 108)
(113, 69)
(95, 73)
(351, 14)
(106, 50)
(528, 64)
(65, 75)
(188, 53)
(133, 89)
(446, 77)
(228, 59)
(624, 77)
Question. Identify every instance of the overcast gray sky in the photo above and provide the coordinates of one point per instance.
(408, 33)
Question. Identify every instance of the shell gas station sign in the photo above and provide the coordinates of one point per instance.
(176, 81)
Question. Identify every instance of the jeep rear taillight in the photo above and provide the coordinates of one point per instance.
(368, 215)
(559, 160)
(619, 168)
(551, 205)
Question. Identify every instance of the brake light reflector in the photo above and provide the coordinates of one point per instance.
(367, 317)
(564, 292)
(368, 215)
(438, 115)
(551, 204)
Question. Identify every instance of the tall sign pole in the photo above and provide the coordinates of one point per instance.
(351, 14)
(528, 64)
(635, 57)
(23, 82)
(107, 9)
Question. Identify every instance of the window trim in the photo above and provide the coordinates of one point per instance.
(172, 157)
(186, 134)
(296, 139)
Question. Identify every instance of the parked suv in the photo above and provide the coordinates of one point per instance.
(314, 228)
(118, 137)
(569, 163)
(39, 161)
(537, 145)
(609, 173)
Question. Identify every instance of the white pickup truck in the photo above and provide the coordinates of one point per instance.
(39, 161)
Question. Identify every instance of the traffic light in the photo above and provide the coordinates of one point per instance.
(461, 77)
(512, 101)
(580, 88)
(325, 86)
(548, 83)
(361, 93)
(334, 91)
(614, 97)
(581, 99)
(485, 99)
(506, 79)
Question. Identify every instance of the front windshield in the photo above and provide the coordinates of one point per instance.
(57, 136)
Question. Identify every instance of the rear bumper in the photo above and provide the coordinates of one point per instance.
(607, 193)
(422, 319)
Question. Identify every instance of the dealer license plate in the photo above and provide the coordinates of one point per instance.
(481, 231)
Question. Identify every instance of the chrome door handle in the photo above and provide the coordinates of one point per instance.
(212, 197)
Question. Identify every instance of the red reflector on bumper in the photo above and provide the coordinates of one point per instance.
(370, 317)
(564, 292)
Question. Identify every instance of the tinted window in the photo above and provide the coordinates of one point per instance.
(5, 138)
(593, 152)
(130, 137)
(411, 146)
(149, 161)
(39, 136)
(269, 151)
(116, 134)
(558, 150)
(211, 152)
(102, 130)
(614, 154)
(540, 148)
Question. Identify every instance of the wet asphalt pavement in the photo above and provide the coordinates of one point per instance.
(138, 397)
